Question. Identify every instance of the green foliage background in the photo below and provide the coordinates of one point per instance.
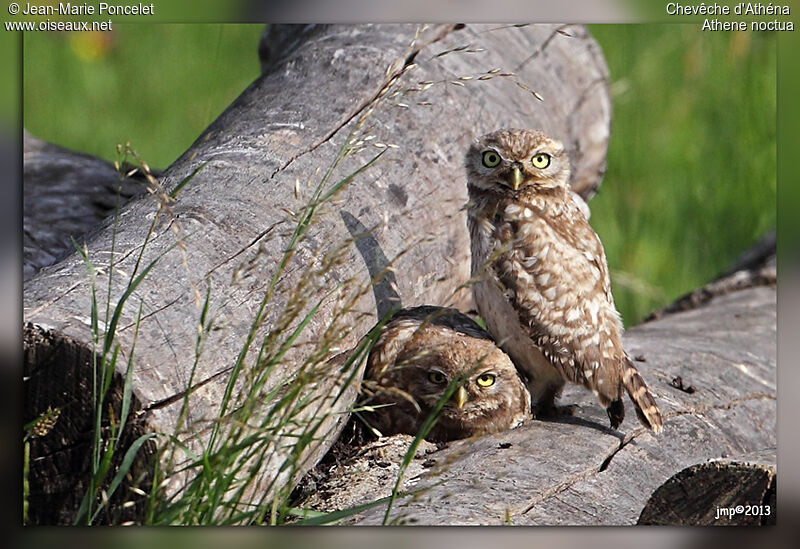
(691, 179)
(691, 166)
(157, 85)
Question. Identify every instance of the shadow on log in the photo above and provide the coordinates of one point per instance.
(713, 373)
(232, 295)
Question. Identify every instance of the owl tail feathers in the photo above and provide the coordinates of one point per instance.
(646, 409)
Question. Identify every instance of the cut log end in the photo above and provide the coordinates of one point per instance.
(58, 386)
(731, 491)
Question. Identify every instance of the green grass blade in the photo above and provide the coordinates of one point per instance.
(427, 425)
(174, 192)
(124, 467)
(127, 388)
(328, 518)
(111, 329)
(342, 182)
(303, 323)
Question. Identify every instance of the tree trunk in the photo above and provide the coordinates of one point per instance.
(713, 373)
(215, 239)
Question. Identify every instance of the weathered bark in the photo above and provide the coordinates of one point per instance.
(365, 86)
(712, 371)
(66, 194)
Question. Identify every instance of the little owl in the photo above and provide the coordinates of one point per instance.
(424, 351)
(542, 283)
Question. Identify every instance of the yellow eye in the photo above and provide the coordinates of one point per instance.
(490, 159)
(486, 380)
(436, 377)
(541, 160)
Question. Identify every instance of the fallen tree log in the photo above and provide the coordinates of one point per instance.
(713, 372)
(734, 481)
(218, 284)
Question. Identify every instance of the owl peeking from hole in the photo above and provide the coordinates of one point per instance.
(424, 352)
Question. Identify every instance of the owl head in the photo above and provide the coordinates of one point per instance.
(418, 359)
(517, 161)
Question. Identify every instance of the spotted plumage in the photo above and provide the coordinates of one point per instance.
(542, 282)
(418, 354)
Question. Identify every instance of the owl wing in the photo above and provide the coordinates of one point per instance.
(554, 274)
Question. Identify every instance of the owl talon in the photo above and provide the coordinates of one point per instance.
(550, 411)
(616, 413)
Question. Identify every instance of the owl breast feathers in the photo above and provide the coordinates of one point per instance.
(423, 352)
(542, 282)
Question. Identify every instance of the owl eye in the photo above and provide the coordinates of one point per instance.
(541, 160)
(436, 377)
(490, 159)
(486, 380)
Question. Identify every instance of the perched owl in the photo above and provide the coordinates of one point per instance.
(418, 354)
(542, 283)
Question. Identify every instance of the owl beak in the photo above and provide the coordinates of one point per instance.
(461, 397)
(516, 178)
